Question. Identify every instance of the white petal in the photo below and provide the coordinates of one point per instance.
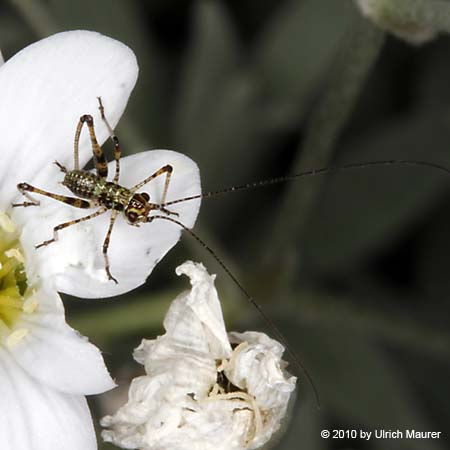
(194, 329)
(204, 303)
(35, 417)
(77, 260)
(2, 61)
(44, 89)
(57, 355)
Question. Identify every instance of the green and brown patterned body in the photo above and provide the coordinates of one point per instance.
(108, 194)
(102, 192)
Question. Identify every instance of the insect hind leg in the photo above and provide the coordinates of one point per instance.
(114, 138)
(26, 188)
(101, 164)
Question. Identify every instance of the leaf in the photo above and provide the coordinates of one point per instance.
(219, 117)
(360, 385)
(362, 210)
(298, 46)
(13, 35)
(433, 258)
(303, 431)
(356, 56)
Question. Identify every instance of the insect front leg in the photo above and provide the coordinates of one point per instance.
(101, 164)
(106, 245)
(164, 210)
(25, 188)
(114, 138)
(167, 169)
(68, 224)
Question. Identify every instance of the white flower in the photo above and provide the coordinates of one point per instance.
(44, 90)
(46, 368)
(203, 389)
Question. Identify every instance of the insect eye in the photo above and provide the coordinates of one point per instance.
(132, 217)
(146, 196)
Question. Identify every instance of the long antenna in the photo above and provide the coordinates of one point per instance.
(268, 182)
(265, 317)
(308, 173)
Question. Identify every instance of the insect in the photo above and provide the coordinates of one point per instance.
(93, 190)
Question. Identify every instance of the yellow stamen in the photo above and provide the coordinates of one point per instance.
(15, 253)
(8, 267)
(13, 285)
(11, 302)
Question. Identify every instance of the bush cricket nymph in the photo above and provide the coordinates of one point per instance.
(92, 190)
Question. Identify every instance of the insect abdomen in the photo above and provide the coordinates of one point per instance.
(90, 186)
(82, 183)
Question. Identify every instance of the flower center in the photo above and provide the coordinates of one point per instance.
(13, 280)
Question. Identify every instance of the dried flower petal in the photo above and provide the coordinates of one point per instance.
(197, 387)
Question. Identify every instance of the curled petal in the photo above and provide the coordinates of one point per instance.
(257, 367)
(36, 417)
(202, 302)
(44, 89)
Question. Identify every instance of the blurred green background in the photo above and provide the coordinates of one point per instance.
(352, 267)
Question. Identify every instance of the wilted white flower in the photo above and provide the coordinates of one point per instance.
(410, 20)
(46, 368)
(203, 389)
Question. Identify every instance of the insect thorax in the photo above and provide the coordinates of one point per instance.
(92, 187)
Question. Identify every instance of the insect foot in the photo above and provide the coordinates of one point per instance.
(43, 244)
(24, 188)
(61, 167)
(110, 277)
(25, 204)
